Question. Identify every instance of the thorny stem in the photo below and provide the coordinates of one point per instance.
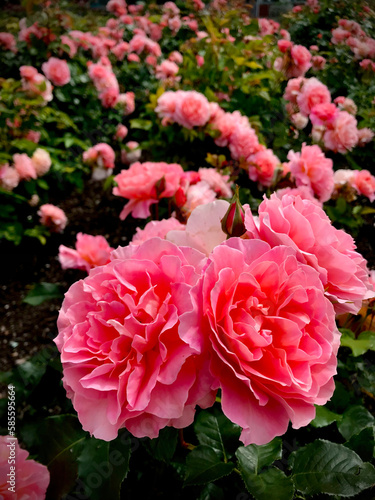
(184, 444)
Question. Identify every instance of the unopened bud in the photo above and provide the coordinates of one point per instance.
(160, 186)
(233, 222)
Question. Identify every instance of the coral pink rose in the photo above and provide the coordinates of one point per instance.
(323, 114)
(157, 228)
(311, 168)
(262, 167)
(32, 478)
(301, 57)
(101, 154)
(365, 135)
(271, 334)
(144, 184)
(57, 71)
(42, 161)
(53, 217)
(8, 42)
(313, 92)
(293, 89)
(90, 252)
(166, 69)
(124, 361)
(304, 192)
(9, 177)
(192, 109)
(343, 134)
(24, 166)
(364, 183)
(243, 142)
(304, 226)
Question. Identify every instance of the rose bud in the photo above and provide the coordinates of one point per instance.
(233, 221)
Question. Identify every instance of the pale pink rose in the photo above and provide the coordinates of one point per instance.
(127, 102)
(57, 71)
(267, 26)
(198, 194)
(293, 89)
(311, 168)
(144, 184)
(42, 161)
(313, 92)
(166, 70)
(171, 8)
(174, 24)
(314, 48)
(271, 334)
(301, 57)
(323, 114)
(31, 478)
(305, 227)
(364, 183)
(343, 176)
(305, 192)
(192, 109)
(166, 104)
(203, 228)
(176, 57)
(52, 217)
(219, 183)
(33, 136)
(299, 120)
(193, 25)
(8, 42)
(243, 142)
(318, 62)
(101, 155)
(344, 133)
(157, 228)
(9, 177)
(339, 35)
(134, 153)
(24, 166)
(346, 104)
(90, 251)
(133, 58)
(262, 167)
(121, 132)
(132, 369)
(365, 135)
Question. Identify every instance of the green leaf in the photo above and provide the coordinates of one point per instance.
(325, 417)
(204, 465)
(164, 446)
(254, 457)
(363, 343)
(325, 467)
(271, 484)
(363, 443)
(354, 420)
(141, 124)
(208, 432)
(43, 291)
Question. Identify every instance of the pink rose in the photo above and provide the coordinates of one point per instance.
(53, 217)
(33, 136)
(176, 57)
(323, 114)
(121, 132)
(41, 161)
(262, 167)
(311, 168)
(56, 70)
(156, 228)
(24, 166)
(127, 102)
(243, 142)
(117, 7)
(8, 42)
(313, 92)
(166, 69)
(124, 361)
(304, 226)
(192, 109)
(32, 478)
(90, 252)
(131, 153)
(219, 183)
(9, 177)
(301, 57)
(271, 335)
(365, 135)
(144, 184)
(364, 183)
(197, 194)
(101, 155)
(305, 192)
(343, 136)
(293, 89)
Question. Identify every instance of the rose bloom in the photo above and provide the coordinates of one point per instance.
(57, 71)
(365, 135)
(243, 142)
(52, 217)
(323, 114)
(134, 153)
(33, 136)
(301, 57)
(90, 252)
(117, 7)
(8, 42)
(9, 177)
(262, 167)
(176, 57)
(318, 62)
(167, 69)
(32, 478)
(24, 166)
(198, 194)
(109, 97)
(293, 89)
(157, 228)
(313, 92)
(305, 192)
(121, 132)
(299, 120)
(271, 334)
(41, 161)
(124, 361)
(192, 109)
(311, 168)
(127, 102)
(144, 184)
(166, 104)
(120, 50)
(343, 136)
(364, 183)
(71, 44)
(305, 227)
(101, 154)
(219, 183)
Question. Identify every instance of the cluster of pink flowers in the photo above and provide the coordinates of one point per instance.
(188, 108)
(362, 181)
(90, 251)
(183, 312)
(351, 33)
(8, 42)
(35, 83)
(105, 82)
(333, 124)
(144, 184)
(296, 59)
(31, 478)
(24, 168)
